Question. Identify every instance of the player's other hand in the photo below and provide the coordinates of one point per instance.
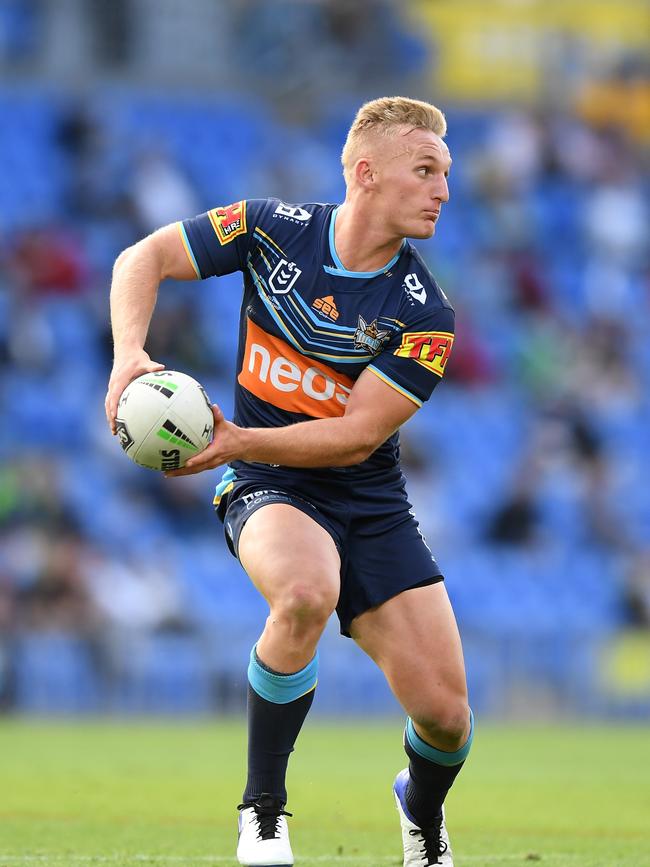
(226, 445)
(126, 368)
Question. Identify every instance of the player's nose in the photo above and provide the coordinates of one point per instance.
(441, 190)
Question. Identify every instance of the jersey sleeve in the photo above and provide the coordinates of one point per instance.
(413, 362)
(217, 242)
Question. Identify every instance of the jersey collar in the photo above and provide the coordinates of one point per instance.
(341, 271)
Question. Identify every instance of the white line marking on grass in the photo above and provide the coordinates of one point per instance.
(371, 860)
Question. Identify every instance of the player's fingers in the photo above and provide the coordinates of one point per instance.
(115, 389)
(110, 407)
(206, 460)
(190, 470)
(217, 413)
(119, 382)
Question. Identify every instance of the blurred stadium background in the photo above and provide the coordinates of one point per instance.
(529, 469)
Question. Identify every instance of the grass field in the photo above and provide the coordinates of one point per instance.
(165, 794)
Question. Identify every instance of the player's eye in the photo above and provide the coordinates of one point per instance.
(423, 170)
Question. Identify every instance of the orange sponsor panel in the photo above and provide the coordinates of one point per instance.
(273, 371)
(229, 222)
(431, 349)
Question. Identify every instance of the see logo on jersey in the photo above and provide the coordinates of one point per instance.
(431, 349)
(327, 307)
(229, 222)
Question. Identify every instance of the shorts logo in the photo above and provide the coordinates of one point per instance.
(229, 222)
(327, 307)
(283, 277)
(292, 213)
(369, 337)
(277, 374)
(431, 349)
(414, 289)
(262, 496)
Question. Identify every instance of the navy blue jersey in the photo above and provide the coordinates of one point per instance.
(309, 327)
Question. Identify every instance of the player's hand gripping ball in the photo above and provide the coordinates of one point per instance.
(164, 419)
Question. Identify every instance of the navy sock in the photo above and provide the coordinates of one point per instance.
(277, 707)
(432, 773)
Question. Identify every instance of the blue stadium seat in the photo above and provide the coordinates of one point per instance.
(55, 673)
(166, 674)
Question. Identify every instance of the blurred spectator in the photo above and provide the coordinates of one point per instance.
(601, 374)
(46, 260)
(175, 337)
(616, 219)
(160, 192)
(112, 31)
(96, 186)
(7, 626)
(515, 520)
(637, 590)
(57, 596)
(470, 363)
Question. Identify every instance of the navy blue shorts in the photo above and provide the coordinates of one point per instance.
(377, 536)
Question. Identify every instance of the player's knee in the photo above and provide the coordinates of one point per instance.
(307, 604)
(445, 722)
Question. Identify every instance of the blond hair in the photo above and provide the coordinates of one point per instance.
(383, 117)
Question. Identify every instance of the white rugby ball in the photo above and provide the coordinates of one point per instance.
(163, 419)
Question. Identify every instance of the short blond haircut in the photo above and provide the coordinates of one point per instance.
(383, 117)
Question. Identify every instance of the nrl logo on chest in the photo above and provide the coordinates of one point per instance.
(369, 337)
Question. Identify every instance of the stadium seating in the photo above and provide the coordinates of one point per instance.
(538, 610)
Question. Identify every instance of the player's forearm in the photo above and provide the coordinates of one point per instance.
(136, 276)
(332, 442)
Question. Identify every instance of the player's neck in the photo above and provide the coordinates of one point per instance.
(359, 244)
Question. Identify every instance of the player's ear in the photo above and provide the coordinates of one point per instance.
(364, 172)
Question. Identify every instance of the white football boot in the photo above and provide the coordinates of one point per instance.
(422, 846)
(263, 834)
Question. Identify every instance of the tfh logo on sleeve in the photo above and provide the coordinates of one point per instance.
(431, 349)
(229, 222)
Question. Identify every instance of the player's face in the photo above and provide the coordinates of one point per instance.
(412, 176)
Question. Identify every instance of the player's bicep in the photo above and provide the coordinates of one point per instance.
(378, 408)
(414, 361)
(175, 261)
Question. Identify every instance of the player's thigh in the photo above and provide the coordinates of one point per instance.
(414, 639)
(286, 553)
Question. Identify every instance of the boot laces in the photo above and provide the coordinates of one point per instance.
(267, 815)
(433, 846)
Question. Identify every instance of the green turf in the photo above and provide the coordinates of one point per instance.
(126, 794)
